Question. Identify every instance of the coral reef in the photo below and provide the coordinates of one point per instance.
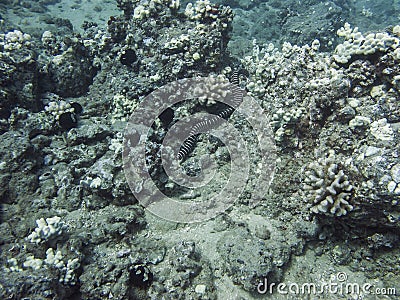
(19, 72)
(318, 105)
(72, 228)
(66, 67)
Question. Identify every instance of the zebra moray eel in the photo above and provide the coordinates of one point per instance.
(212, 120)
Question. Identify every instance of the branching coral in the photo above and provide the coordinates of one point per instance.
(357, 44)
(47, 229)
(327, 187)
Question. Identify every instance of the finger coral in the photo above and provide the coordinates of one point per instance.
(327, 187)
